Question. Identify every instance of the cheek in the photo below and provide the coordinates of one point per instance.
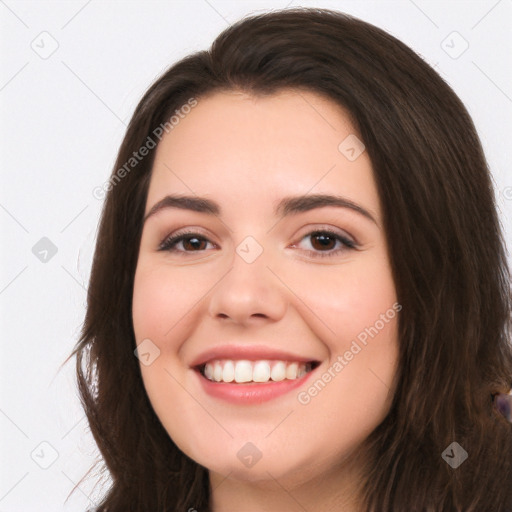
(352, 299)
(149, 302)
(359, 307)
(160, 300)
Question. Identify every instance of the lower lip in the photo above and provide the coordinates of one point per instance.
(253, 393)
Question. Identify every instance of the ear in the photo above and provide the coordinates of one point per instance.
(503, 402)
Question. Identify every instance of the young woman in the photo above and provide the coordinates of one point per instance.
(299, 298)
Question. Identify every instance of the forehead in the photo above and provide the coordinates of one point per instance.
(242, 149)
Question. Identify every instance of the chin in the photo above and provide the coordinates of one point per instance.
(245, 462)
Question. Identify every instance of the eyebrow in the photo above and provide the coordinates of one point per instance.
(285, 207)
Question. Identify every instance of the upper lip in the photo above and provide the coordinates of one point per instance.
(248, 352)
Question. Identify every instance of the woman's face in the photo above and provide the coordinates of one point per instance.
(260, 292)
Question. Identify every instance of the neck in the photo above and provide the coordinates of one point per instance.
(335, 489)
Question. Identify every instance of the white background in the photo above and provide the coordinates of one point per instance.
(63, 118)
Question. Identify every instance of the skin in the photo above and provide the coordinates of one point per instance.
(247, 153)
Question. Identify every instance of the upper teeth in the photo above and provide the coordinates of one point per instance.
(255, 371)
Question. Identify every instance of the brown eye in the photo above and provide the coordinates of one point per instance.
(191, 242)
(323, 243)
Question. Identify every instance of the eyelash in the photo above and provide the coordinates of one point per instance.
(171, 241)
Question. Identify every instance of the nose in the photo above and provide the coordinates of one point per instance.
(249, 293)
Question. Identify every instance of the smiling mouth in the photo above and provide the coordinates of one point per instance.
(256, 372)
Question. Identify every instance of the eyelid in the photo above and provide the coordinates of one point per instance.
(330, 229)
(177, 235)
(347, 241)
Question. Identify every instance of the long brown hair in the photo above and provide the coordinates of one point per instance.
(446, 250)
